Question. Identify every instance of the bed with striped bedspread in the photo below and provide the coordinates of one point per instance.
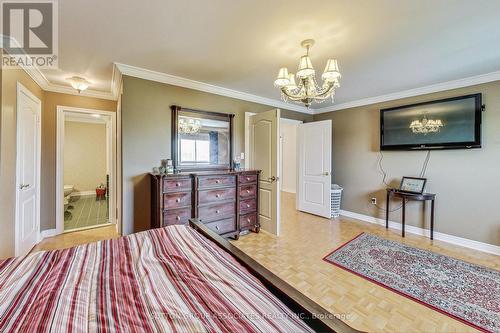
(163, 280)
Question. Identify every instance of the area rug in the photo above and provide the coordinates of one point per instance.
(464, 291)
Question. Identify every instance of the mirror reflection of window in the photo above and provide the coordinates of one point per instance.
(195, 150)
(203, 140)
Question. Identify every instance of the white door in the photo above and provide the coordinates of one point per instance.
(264, 148)
(28, 171)
(314, 144)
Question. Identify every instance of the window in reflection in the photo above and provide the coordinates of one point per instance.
(203, 140)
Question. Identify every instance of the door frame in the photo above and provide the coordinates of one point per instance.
(110, 156)
(20, 89)
(247, 138)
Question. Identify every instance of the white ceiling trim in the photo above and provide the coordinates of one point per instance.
(449, 85)
(147, 74)
(40, 79)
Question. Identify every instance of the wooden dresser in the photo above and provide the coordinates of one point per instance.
(225, 201)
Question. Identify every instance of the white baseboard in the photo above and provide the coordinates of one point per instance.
(82, 193)
(469, 243)
(48, 233)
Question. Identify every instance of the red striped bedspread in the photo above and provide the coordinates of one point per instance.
(163, 280)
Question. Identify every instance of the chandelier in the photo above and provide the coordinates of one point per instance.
(426, 126)
(308, 90)
(189, 125)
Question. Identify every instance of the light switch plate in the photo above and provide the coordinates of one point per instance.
(242, 156)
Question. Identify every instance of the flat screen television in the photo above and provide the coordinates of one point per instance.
(450, 123)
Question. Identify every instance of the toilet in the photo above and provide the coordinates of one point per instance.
(68, 189)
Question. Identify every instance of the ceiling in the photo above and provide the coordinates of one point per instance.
(383, 46)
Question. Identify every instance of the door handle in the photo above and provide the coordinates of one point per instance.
(326, 173)
(273, 179)
(23, 186)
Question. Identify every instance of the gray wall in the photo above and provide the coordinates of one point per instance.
(146, 136)
(467, 182)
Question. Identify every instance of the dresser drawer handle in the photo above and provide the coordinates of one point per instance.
(217, 181)
(248, 219)
(248, 191)
(217, 195)
(178, 218)
(217, 227)
(248, 206)
(177, 184)
(178, 200)
(217, 211)
(248, 179)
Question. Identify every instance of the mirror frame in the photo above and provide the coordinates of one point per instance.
(175, 137)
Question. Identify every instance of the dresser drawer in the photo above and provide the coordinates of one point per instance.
(176, 200)
(223, 226)
(213, 196)
(216, 211)
(177, 184)
(248, 206)
(248, 220)
(245, 179)
(248, 191)
(216, 181)
(176, 216)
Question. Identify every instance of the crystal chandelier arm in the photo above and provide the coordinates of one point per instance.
(326, 92)
(293, 97)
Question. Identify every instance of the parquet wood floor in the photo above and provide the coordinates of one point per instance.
(296, 256)
(76, 238)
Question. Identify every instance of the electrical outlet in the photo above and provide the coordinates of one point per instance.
(374, 201)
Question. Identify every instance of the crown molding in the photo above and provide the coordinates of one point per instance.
(205, 87)
(433, 88)
(116, 82)
(36, 74)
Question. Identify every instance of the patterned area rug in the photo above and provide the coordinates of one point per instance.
(464, 291)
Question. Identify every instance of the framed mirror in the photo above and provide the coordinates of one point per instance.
(201, 140)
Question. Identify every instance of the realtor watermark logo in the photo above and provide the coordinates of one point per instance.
(29, 33)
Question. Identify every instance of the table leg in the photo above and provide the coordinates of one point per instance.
(387, 210)
(403, 219)
(432, 219)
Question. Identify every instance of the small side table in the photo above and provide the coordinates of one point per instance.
(409, 196)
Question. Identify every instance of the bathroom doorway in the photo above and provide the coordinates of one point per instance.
(86, 150)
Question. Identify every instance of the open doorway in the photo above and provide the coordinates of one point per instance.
(86, 147)
(270, 146)
(303, 158)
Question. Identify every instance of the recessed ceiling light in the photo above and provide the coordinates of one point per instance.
(79, 83)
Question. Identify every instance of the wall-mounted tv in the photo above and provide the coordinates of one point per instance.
(450, 123)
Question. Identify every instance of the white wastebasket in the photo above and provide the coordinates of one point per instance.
(335, 197)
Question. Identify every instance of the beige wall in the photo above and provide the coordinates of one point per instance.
(467, 182)
(9, 79)
(49, 126)
(146, 136)
(84, 155)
